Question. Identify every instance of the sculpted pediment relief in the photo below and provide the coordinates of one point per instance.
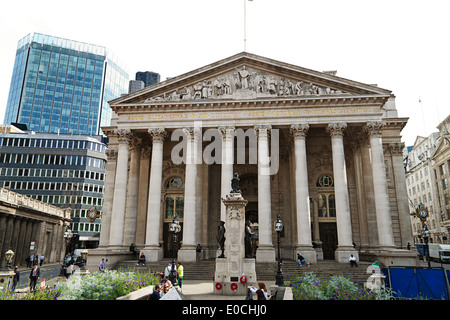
(245, 83)
(247, 76)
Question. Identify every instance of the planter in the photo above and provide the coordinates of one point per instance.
(141, 294)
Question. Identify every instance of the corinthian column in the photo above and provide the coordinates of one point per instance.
(120, 188)
(343, 219)
(265, 251)
(304, 243)
(152, 250)
(384, 223)
(227, 133)
(187, 251)
(129, 236)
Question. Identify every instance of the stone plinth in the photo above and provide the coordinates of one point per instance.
(234, 272)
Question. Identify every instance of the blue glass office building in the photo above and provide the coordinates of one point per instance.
(64, 86)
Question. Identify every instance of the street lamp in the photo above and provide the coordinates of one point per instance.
(9, 255)
(175, 228)
(278, 228)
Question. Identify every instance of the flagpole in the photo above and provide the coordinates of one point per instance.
(245, 25)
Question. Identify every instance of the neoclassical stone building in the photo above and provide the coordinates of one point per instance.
(323, 152)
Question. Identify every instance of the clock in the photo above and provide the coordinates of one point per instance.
(92, 215)
(423, 213)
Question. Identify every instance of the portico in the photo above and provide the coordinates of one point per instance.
(307, 145)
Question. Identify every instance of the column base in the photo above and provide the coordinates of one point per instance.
(153, 253)
(187, 254)
(307, 252)
(342, 254)
(265, 253)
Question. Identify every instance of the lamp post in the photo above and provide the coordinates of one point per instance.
(278, 228)
(422, 213)
(426, 237)
(175, 228)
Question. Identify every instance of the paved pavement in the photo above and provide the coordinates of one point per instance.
(204, 290)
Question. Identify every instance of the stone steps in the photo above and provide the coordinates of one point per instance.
(204, 269)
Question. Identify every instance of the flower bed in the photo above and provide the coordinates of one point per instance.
(107, 285)
(310, 287)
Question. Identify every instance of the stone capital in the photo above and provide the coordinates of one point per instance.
(111, 153)
(136, 143)
(227, 132)
(336, 130)
(299, 130)
(192, 133)
(158, 134)
(374, 128)
(123, 135)
(262, 131)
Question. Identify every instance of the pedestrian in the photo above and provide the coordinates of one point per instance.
(198, 252)
(352, 261)
(102, 265)
(141, 259)
(180, 274)
(41, 260)
(167, 271)
(261, 292)
(16, 277)
(27, 260)
(34, 277)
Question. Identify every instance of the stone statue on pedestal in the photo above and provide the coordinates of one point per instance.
(235, 184)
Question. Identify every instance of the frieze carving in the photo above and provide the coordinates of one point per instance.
(235, 212)
(245, 82)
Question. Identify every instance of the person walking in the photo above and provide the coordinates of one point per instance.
(16, 278)
(180, 274)
(167, 271)
(41, 260)
(34, 277)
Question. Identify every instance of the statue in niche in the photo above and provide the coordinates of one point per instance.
(249, 240)
(235, 184)
(221, 238)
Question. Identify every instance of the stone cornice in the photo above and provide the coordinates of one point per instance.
(230, 104)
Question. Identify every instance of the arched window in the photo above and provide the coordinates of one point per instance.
(174, 201)
(326, 198)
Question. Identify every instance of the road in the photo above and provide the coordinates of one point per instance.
(48, 271)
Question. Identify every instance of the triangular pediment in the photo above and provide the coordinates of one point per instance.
(248, 76)
(444, 143)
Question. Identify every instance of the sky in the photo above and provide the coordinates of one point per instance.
(400, 45)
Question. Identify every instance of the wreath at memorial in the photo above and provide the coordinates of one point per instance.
(243, 279)
(218, 286)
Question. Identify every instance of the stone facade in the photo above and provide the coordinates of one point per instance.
(23, 220)
(322, 151)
